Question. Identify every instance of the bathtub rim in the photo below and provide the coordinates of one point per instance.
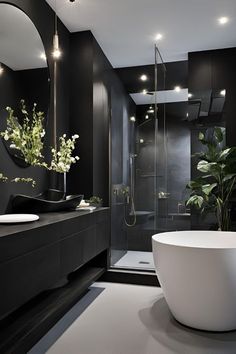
(157, 238)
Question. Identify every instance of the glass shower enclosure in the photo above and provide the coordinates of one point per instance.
(150, 167)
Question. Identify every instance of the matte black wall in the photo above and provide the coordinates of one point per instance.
(96, 93)
(98, 100)
(43, 18)
(81, 111)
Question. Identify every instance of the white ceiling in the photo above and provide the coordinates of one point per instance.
(126, 29)
(20, 43)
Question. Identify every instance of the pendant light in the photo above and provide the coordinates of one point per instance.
(1, 69)
(56, 48)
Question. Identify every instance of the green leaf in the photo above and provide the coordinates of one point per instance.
(219, 134)
(207, 188)
(229, 177)
(205, 166)
(201, 136)
(224, 153)
(196, 200)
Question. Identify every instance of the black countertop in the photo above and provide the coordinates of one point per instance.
(44, 220)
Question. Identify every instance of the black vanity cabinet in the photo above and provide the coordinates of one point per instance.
(36, 256)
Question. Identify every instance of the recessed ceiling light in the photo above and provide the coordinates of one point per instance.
(159, 36)
(223, 20)
(141, 141)
(144, 92)
(132, 119)
(150, 110)
(147, 116)
(190, 95)
(143, 77)
(177, 88)
(223, 92)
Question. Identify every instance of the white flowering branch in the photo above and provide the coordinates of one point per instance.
(28, 136)
(62, 159)
(3, 178)
(24, 180)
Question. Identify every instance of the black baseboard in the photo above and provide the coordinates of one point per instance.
(20, 331)
(130, 277)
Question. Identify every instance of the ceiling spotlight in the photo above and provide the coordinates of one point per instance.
(1, 69)
(190, 95)
(177, 88)
(143, 77)
(159, 36)
(141, 141)
(144, 92)
(223, 20)
(223, 92)
(132, 119)
(147, 116)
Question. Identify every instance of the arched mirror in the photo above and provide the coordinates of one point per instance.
(24, 71)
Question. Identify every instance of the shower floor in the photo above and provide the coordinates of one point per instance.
(136, 260)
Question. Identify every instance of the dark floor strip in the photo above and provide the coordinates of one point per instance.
(65, 322)
(24, 328)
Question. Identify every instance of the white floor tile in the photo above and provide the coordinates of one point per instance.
(132, 319)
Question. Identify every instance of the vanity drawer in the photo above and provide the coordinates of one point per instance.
(25, 277)
(77, 250)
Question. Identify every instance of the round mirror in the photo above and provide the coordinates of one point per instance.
(24, 72)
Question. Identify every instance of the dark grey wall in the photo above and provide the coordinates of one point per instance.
(215, 69)
(43, 18)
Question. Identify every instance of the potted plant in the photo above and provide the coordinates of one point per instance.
(211, 191)
(95, 201)
(26, 136)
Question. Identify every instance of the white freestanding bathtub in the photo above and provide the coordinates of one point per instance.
(197, 272)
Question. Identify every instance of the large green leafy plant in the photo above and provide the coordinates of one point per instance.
(211, 191)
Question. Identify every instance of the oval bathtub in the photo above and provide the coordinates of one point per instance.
(197, 272)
